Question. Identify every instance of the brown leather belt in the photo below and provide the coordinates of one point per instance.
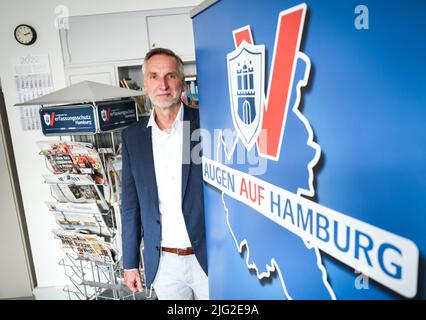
(179, 252)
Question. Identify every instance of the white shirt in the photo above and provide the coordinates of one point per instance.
(167, 153)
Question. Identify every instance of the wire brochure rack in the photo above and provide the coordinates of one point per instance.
(85, 186)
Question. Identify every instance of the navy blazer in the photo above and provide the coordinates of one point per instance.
(140, 215)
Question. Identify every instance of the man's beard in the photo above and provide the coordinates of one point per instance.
(167, 105)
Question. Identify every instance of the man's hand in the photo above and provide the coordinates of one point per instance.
(132, 279)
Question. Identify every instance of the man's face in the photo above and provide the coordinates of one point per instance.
(162, 81)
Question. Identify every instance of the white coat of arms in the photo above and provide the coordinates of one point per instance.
(246, 78)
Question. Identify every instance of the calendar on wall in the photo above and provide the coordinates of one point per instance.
(33, 79)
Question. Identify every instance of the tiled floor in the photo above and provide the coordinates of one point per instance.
(50, 293)
(58, 293)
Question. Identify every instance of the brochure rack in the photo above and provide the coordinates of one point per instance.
(84, 181)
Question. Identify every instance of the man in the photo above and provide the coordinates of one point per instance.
(162, 189)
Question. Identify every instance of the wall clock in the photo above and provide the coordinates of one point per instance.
(25, 34)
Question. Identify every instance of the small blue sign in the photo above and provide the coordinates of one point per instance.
(116, 114)
(74, 119)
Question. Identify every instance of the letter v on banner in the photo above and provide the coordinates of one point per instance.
(276, 103)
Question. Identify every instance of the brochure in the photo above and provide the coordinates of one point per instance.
(75, 188)
(86, 247)
(73, 157)
(93, 223)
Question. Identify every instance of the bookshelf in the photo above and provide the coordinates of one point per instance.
(191, 91)
(131, 77)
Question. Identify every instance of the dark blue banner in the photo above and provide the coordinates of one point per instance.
(68, 120)
(313, 115)
(116, 114)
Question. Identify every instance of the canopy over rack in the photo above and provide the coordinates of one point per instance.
(85, 91)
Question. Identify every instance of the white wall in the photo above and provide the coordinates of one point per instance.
(30, 166)
(14, 255)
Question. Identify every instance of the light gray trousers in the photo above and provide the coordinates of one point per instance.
(180, 278)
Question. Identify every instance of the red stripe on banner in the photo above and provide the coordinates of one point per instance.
(280, 84)
(242, 34)
(275, 111)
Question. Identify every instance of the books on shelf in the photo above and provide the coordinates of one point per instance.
(191, 91)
